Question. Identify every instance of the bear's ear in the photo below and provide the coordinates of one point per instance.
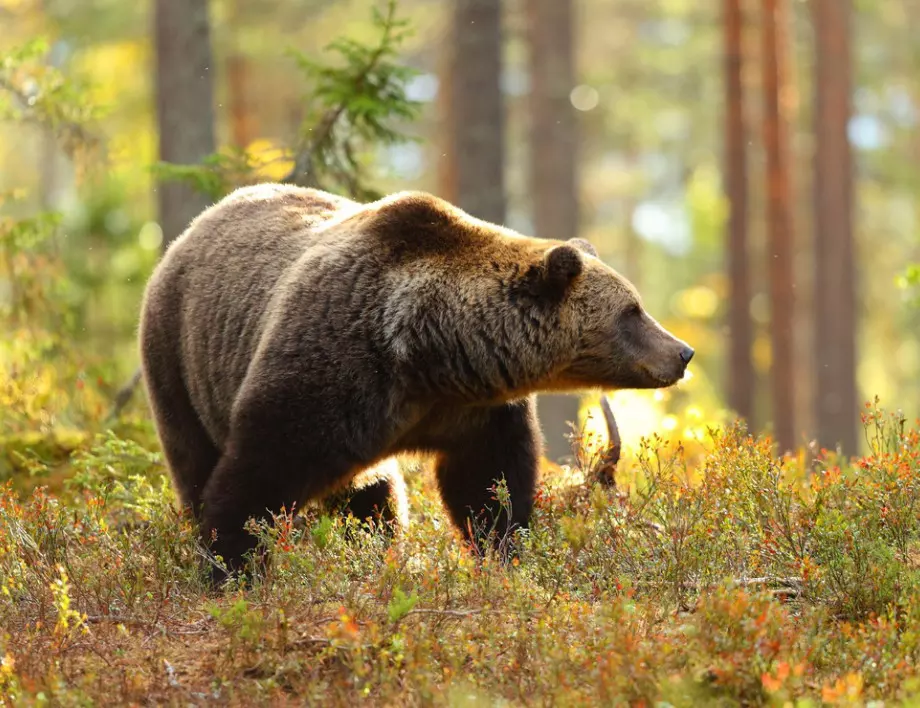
(561, 265)
(583, 246)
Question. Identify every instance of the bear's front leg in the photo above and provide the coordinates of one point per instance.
(493, 444)
(274, 458)
(240, 488)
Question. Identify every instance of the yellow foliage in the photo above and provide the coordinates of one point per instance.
(42, 402)
(699, 301)
(844, 690)
(116, 68)
(272, 160)
(642, 414)
(69, 620)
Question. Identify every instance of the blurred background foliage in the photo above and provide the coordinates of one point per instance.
(648, 101)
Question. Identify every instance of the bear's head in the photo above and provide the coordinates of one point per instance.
(497, 314)
(618, 344)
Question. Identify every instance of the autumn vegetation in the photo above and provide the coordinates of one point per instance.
(712, 571)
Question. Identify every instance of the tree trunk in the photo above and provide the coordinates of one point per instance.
(184, 104)
(740, 368)
(779, 223)
(243, 128)
(446, 156)
(477, 112)
(553, 166)
(836, 404)
(242, 125)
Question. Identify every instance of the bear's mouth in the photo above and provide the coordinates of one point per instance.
(658, 381)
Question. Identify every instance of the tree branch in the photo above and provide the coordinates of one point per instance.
(69, 132)
(302, 174)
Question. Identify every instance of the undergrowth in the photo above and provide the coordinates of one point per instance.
(741, 579)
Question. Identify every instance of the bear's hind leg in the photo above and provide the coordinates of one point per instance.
(502, 444)
(190, 454)
(378, 493)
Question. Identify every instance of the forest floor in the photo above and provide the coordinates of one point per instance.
(718, 575)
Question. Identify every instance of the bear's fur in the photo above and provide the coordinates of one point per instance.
(291, 339)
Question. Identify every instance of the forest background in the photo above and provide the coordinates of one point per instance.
(617, 121)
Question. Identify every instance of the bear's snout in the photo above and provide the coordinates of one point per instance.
(666, 356)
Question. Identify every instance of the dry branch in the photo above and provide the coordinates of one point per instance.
(784, 589)
(604, 471)
(613, 431)
(123, 396)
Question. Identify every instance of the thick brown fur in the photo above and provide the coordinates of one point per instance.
(292, 339)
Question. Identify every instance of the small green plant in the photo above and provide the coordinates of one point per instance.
(321, 533)
(242, 624)
(401, 604)
(110, 462)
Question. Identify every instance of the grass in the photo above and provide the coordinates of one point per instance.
(725, 576)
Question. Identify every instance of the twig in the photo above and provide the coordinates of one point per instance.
(787, 588)
(118, 619)
(123, 396)
(311, 641)
(156, 627)
(783, 582)
(455, 614)
(92, 648)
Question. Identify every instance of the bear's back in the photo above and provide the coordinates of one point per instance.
(220, 276)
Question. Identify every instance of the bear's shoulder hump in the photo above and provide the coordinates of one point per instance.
(418, 221)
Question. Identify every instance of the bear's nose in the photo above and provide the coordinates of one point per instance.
(686, 354)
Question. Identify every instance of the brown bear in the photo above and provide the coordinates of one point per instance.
(292, 339)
